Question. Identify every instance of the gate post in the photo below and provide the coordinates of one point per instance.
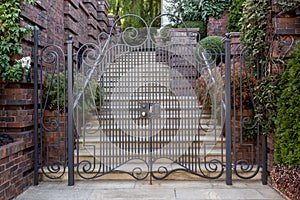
(70, 112)
(228, 109)
(264, 158)
(36, 108)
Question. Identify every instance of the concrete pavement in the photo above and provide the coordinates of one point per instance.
(167, 189)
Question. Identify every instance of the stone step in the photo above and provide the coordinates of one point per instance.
(128, 61)
(110, 116)
(144, 136)
(127, 53)
(135, 114)
(171, 121)
(120, 69)
(144, 144)
(112, 156)
(135, 105)
(157, 96)
(209, 138)
(113, 79)
(166, 106)
(162, 127)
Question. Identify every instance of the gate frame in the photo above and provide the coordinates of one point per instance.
(70, 113)
(70, 142)
(228, 110)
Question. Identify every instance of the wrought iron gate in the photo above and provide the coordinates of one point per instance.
(147, 102)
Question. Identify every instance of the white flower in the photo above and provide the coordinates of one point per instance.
(26, 62)
(176, 5)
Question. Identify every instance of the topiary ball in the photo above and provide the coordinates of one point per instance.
(214, 46)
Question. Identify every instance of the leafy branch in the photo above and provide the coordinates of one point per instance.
(11, 34)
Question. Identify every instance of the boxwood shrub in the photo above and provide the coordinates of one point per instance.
(287, 122)
(214, 46)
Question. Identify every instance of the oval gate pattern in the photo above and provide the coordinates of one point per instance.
(146, 102)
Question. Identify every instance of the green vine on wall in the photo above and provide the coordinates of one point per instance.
(257, 33)
(11, 34)
(195, 10)
(236, 11)
(213, 8)
(265, 96)
(254, 22)
(286, 5)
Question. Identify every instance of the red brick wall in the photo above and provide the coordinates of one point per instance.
(57, 20)
(286, 31)
(218, 27)
(16, 120)
(16, 172)
(16, 110)
(54, 134)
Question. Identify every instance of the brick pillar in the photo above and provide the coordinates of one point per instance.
(102, 15)
(16, 120)
(218, 27)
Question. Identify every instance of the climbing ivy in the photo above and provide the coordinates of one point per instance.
(286, 5)
(235, 10)
(213, 8)
(185, 10)
(265, 96)
(11, 34)
(254, 27)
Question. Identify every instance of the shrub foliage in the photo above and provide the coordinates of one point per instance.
(12, 31)
(287, 131)
(214, 46)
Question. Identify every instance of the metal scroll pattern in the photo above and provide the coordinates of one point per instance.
(52, 89)
(139, 109)
(246, 134)
(148, 102)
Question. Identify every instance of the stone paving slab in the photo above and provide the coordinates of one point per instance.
(159, 190)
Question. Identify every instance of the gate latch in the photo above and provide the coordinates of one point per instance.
(154, 110)
(150, 110)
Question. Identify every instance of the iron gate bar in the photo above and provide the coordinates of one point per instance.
(228, 109)
(36, 105)
(264, 158)
(70, 112)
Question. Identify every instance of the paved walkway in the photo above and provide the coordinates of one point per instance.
(90, 190)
